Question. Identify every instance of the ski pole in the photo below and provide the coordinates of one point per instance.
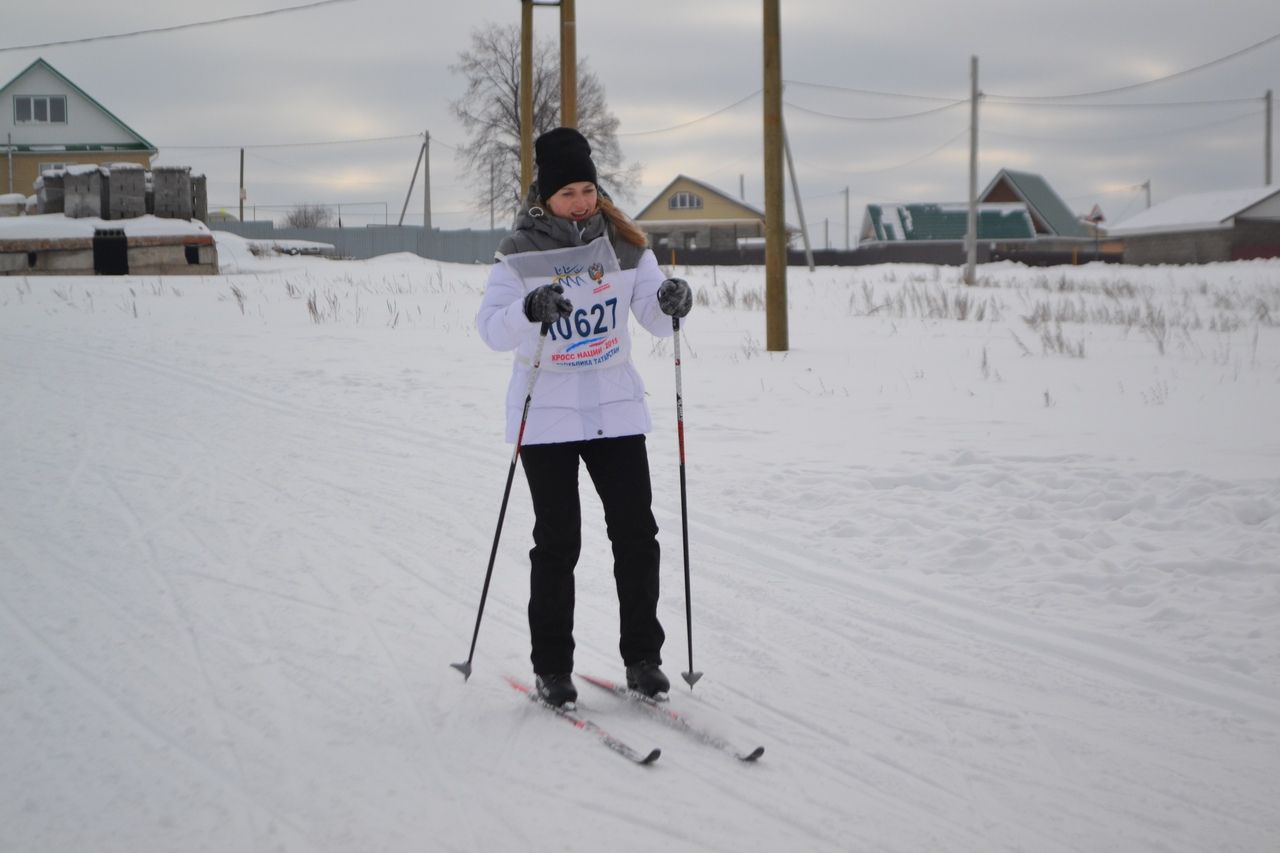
(690, 676)
(465, 666)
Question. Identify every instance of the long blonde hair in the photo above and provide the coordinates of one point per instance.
(623, 225)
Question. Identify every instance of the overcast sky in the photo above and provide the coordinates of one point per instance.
(376, 68)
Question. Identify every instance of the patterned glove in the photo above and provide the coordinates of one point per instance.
(547, 304)
(675, 297)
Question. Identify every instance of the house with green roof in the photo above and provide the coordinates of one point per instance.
(1049, 213)
(48, 122)
(931, 222)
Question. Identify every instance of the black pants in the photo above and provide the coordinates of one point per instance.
(619, 468)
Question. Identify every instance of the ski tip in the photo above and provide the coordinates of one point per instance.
(464, 668)
(752, 755)
(691, 677)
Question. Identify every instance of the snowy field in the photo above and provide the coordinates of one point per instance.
(984, 569)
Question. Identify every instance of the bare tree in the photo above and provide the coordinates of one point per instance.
(490, 112)
(309, 216)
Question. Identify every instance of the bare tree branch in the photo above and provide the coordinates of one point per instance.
(489, 110)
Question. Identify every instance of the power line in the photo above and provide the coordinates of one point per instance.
(1131, 86)
(910, 162)
(1146, 135)
(1001, 101)
(303, 144)
(175, 27)
(877, 118)
(696, 120)
(871, 92)
(1027, 98)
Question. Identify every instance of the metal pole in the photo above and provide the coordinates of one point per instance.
(1267, 143)
(568, 64)
(417, 163)
(426, 185)
(692, 675)
(775, 210)
(242, 185)
(465, 666)
(795, 192)
(1147, 186)
(526, 98)
(846, 219)
(971, 237)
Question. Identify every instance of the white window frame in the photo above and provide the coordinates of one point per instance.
(685, 200)
(48, 102)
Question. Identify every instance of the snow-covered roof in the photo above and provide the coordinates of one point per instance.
(56, 226)
(1195, 212)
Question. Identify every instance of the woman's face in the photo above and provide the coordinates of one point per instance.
(574, 202)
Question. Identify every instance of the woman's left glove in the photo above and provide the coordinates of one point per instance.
(675, 297)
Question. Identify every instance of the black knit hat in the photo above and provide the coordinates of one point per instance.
(564, 157)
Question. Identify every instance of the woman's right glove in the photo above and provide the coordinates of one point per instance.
(675, 297)
(546, 304)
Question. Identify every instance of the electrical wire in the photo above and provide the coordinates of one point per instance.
(902, 117)
(872, 92)
(1132, 86)
(1147, 135)
(1000, 101)
(301, 144)
(694, 121)
(301, 8)
(910, 162)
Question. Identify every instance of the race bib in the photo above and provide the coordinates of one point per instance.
(596, 333)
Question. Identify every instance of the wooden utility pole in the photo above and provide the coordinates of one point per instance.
(775, 210)
(242, 193)
(526, 98)
(568, 64)
(971, 237)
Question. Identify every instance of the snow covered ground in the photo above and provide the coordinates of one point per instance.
(984, 569)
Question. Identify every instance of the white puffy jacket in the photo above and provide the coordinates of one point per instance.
(579, 405)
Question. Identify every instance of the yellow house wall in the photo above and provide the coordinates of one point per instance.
(714, 206)
(26, 166)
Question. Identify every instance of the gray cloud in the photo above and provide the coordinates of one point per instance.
(373, 68)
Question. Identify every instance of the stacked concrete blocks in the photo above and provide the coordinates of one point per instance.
(50, 191)
(172, 192)
(199, 198)
(126, 191)
(84, 192)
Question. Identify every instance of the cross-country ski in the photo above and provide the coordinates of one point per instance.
(577, 721)
(673, 719)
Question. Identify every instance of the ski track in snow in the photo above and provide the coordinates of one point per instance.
(240, 550)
